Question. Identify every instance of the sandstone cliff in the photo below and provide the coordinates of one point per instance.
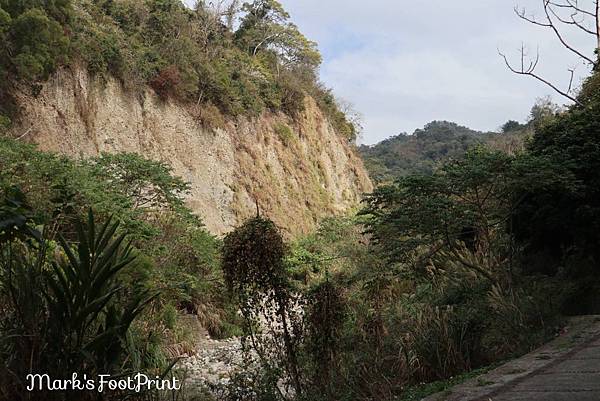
(298, 170)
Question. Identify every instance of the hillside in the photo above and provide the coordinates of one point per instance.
(184, 214)
(426, 148)
(298, 170)
(237, 112)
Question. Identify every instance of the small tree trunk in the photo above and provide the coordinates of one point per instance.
(597, 2)
(598, 26)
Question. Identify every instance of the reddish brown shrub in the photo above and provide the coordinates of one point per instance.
(165, 83)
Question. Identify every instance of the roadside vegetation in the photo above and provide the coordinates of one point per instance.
(441, 274)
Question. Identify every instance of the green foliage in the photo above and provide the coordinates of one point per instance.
(485, 250)
(5, 123)
(83, 288)
(436, 288)
(510, 126)
(68, 312)
(469, 200)
(253, 265)
(175, 255)
(266, 28)
(420, 152)
(326, 313)
(419, 392)
(339, 120)
(150, 183)
(372, 325)
(428, 148)
(34, 38)
(542, 111)
(16, 217)
(559, 228)
(253, 259)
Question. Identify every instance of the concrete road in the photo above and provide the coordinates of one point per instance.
(566, 369)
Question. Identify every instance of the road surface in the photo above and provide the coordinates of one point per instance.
(566, 369)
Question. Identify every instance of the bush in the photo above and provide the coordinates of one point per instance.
(254, 269)
(166, 83)
(337, 118)
(38, 43)
(209, 116)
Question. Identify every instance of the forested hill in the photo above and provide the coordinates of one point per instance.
(420, 152)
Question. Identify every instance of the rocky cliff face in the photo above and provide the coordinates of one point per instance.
(297, 170)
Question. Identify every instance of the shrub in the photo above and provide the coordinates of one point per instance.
(325, 315)
(291, 95)
(38, 44)
(254, 269)
(337, 118)
(209, 116)
(102, 51)
(166, 83)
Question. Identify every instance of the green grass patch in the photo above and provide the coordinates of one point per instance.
(416, 393)
(284, 132)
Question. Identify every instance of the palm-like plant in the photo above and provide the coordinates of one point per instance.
(68, 313)
(83, 298)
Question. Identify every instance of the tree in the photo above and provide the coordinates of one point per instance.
(150, 184)
(266, 27)
(558, 15)
(542, 111)
(556, 225)
(510, 125)
(34, 43)
(254, 270)
(467, 203)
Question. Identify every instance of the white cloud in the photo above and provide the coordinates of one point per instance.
(404, 63)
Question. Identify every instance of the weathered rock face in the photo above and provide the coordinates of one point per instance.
(296, 179)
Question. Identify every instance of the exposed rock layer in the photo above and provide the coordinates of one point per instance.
(296, 179)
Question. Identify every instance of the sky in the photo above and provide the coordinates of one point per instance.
(404, 63)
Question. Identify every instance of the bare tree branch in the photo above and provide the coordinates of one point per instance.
(550, 23)
(560, 36)
(597, 16)
(574, 5)
(521, 14)
(529, 70)
(555, 14)
(574, 22)
(572, 71)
